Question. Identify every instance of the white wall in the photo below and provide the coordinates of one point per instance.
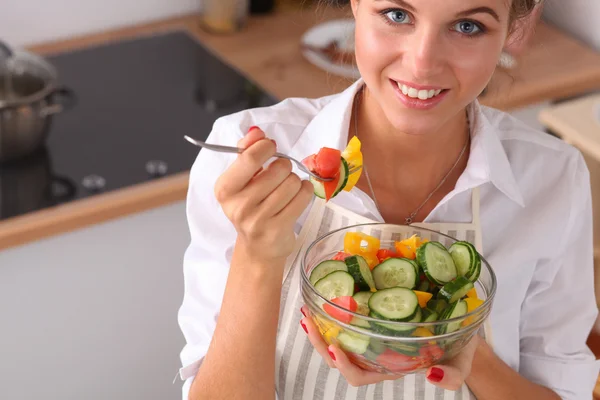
(580, 18)
(24, 22)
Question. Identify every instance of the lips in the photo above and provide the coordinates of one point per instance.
(419, 96)
(418, 93)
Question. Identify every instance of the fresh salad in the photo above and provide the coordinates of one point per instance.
(333, 163)
(415, 281)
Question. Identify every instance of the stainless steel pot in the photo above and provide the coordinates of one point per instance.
(29, 97)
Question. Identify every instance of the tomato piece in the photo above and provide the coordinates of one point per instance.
(398, 363)
(384, 254)
(328, 162)
(341, 256)
(346, 302)
(330, 186)
(432, 352)
(310, 162)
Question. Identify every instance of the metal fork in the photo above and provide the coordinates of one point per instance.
(231, 149)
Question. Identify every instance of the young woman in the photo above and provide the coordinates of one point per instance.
(428, 145)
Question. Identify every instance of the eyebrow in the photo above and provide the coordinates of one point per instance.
(471, 11)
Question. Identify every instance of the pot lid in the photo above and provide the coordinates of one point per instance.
(24, 77)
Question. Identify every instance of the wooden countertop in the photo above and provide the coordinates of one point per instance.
(267, 51)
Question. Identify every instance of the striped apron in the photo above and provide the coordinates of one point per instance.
(301, 373)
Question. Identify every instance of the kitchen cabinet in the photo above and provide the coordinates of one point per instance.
(92, 314)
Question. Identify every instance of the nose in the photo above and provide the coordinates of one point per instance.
(425, 52)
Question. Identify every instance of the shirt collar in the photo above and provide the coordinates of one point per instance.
(488, 161)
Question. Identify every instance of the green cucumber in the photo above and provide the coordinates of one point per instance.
(457, 309)
(325, 268)
(335, 284)
(436, 262)
(360, 271)
(455, 290)
(409, 349)
(361, 323)
(430, 315)
(353, 342)
(319, 188)
(362, 299)
(423, 286)
(396, 272)
(394, 304)
(397, 330)
(465, 258)
(437, 305)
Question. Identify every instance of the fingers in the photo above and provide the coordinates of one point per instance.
(264, 185)
(317, 341)
(243, 169)
(294, 209)
(452, 375)
(282, 195)
(254, 135)
(355, 375)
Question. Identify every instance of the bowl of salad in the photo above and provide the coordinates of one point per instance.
(396, 299)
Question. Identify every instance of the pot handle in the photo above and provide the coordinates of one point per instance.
(67, 100)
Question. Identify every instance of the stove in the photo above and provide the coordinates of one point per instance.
(134, 102)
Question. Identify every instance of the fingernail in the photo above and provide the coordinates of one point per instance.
(302, 311)
(251, 128)
(331, 354)
(436, 374)
(274, 142)
(303, 326)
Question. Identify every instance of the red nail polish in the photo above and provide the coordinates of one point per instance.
(331, 354)
(436, 374)
(302, 311)
(251, 128)
(303, 326)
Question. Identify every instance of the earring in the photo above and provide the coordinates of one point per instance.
(506, 61)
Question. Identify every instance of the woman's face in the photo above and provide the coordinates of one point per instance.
(425, 60)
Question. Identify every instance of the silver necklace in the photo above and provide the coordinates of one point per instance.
(408, 220)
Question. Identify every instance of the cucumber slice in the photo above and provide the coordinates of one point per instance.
(455, 290)
(395, 272)
(361, 323)
(423, 286)
(359, 269)
(437, 263)
(455, 310)
(430, 315)
(408, 349)
(404, 330)
(465, 257)
(437, 305)
(319, 189)
(377, 346)
(335, 284)
(394, 304)
(362, 299)
(473, 276)
(325, 268)
(353, 342)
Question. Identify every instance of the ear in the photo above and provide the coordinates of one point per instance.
(522, 32)
(354, 5)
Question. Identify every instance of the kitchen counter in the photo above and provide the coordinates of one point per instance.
(267, 51)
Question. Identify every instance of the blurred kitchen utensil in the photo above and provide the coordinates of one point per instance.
(29, 96)
(224, 16)
(231, 149)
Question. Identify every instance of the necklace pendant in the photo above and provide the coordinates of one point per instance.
(408, 220)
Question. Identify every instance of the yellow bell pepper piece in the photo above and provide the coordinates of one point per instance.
(472, 304)
(423, 297)
(422, 332)
(472, 294)
(407, 248)
(353, 244)
(354, 158)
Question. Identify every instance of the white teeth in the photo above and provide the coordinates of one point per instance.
(418, 94)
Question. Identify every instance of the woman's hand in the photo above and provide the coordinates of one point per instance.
(449, 376)
(263, 205)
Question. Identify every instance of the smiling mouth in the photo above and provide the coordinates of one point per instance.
(421, 94)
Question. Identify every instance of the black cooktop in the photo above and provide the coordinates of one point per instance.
(134, 101)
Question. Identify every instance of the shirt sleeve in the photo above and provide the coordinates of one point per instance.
(560, 308)
(206, 259)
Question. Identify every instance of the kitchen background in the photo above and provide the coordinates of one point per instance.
(88, 299)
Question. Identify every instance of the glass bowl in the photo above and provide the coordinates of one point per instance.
(403, 347)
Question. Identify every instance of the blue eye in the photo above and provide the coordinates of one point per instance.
(468, 28)
(398, 17)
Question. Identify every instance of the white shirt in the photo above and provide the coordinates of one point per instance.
(536, 222)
